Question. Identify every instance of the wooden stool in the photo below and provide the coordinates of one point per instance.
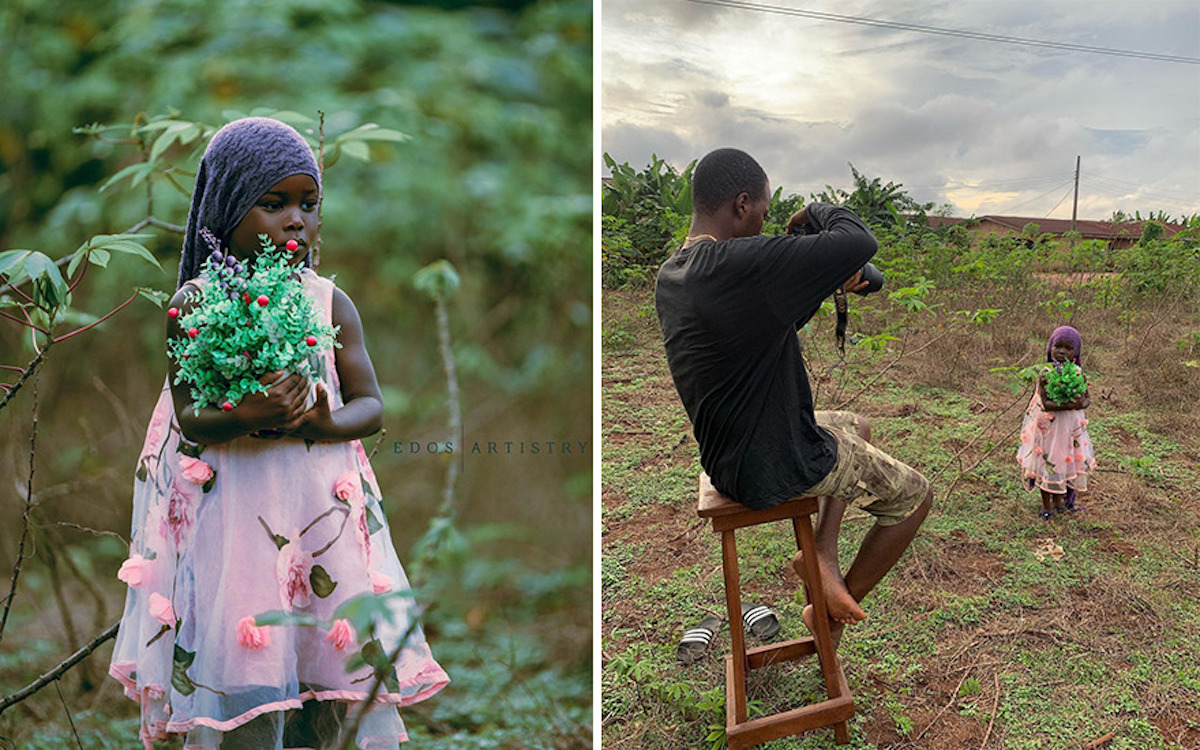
(728, 516)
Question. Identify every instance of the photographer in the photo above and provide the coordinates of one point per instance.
(729, 302)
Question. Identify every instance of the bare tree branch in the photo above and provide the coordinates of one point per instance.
(60, 670)
(16, 574)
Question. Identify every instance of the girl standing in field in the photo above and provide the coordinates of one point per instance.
(267, 506)
(1056, 452)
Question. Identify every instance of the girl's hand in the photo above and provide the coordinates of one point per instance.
(282, 404)
(314, 424)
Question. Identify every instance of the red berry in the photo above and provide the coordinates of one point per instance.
(173, 312)
(310, 340)
(227, 406)
(246, 296)
(262, 300)
(193, 333)
(292, 245)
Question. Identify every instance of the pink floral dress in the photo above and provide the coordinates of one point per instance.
(228, 532)
(1055, 452)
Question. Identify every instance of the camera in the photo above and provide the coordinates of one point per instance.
(870, 274)
(874, 278)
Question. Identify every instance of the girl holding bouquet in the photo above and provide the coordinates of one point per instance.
(254, 521)
(1056, 453)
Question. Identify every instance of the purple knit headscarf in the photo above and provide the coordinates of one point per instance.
(1070, 335)
(242, 161)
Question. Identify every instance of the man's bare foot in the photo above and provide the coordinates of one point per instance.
(838, 601)
(835, 628)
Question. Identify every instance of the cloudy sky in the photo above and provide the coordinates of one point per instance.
(992, 128)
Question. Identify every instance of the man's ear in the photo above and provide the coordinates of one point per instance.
(741, 205)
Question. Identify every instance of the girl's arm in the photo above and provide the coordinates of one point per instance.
(362, 412)
(281, 404)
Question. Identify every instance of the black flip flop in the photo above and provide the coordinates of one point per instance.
(695, 642)
(760, 621)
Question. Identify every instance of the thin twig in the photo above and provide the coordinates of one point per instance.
(953, 698)
(974, 440)
(455, 425)
(349, 733)
(60, 670)
(30, 369)
(879, 374)
(995, 705)
(121, 307)
(961, 474)
(70, 719)
(16, 574)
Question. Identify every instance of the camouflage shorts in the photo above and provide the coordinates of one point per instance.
(866, 477)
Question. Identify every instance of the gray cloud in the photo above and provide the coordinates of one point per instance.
(937, 113)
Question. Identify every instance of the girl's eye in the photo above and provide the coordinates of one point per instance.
(309, 205)
(271, 205)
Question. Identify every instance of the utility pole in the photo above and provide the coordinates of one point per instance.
(1075, 205)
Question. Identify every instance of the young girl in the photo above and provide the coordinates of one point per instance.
(1056, 452)
(269, 506)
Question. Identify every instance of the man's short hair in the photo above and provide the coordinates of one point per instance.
(724, 174)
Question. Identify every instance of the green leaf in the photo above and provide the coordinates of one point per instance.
(173, 133)
(142, 472)
(372, 132)
(438, 279)
(373, 523)
(190, 449)
(48, 284)
(322, 584)
(179, 666)
(356, 150)
(211, 481)
(279, 540)
(156, 296)
(137, 171)
(279, 617)
(11, 261)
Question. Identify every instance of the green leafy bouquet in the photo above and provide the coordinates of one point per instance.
(246, 321)
(1064, 382)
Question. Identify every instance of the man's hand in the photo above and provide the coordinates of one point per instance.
(855, 282)
(797, 222)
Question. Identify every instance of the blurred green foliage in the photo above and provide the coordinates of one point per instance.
(494, 178)
(645, 219)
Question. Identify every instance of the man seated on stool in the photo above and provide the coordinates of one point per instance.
(729, 303)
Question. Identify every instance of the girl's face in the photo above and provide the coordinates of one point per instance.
(288, 211)
(1063, 351)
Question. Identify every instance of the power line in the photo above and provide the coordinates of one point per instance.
(1060, 200)
(1051, 191)
(978, 35)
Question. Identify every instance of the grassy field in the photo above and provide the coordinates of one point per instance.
(996, 629)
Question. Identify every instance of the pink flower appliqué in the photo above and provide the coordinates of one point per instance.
(180, 514)
(1069, 459)
(132, 570)
(251, 636)
(195, 470)
(161, 609)
(348, 487)
(1038, 450)
(381, 583)
(292, 570)
(341, 635)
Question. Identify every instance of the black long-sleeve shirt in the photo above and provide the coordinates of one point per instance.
(729, 312)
